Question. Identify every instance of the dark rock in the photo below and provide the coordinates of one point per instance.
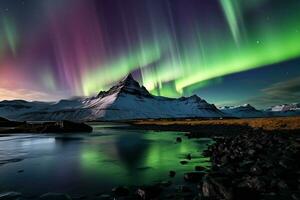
(282, 185)
(219, 187)
(172, 174)
(55, 196)
(165, 183)
(178, 139)
(49, 127)
(189, 157)
(254, 183)
(183, 189)
(253, 165)
(141, 194)
(183, 162)
(149, 192)
(200, 168)
(121, 191)
(193, 176)
(256, 170)
(251, 152)
(65, 127)
(7, 123)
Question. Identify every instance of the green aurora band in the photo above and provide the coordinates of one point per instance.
(172, 69)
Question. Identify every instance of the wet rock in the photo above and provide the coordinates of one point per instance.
(253, 183)
(200, 168)
(183, 189)
(193, 176)
(141, 194)
(282, 185)
(172, 174)
(165, 183)
(256, 170)
(219, 188)
(55, 196)
(257, 164)
(178, 139)
(121, 191)
(251, 152)
(189, 157)
(149, 192)
(183, 162)
(10, 196)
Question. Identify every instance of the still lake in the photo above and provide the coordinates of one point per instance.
(88, 164)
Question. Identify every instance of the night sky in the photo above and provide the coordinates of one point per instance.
(229, 52)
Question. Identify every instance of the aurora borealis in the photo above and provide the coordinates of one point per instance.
(52, 49)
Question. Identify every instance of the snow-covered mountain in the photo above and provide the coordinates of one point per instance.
(292, 109)
(243, 111)
(126, 100)
(9, 109)
(285, 107)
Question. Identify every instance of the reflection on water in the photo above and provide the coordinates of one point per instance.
(89, 164)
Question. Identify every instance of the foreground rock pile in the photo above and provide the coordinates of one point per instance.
(253, 166)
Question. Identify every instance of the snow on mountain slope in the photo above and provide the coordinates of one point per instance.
(244, 111)
(292, 109)
(9, 109)
(285, 107)
(126, 100)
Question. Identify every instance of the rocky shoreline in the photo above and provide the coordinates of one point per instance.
(253, 165)
(256, 165)
(7, 127)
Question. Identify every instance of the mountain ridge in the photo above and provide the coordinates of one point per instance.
(124, 101)
(128, 100)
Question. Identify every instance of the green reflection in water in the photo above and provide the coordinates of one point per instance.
(136, 158)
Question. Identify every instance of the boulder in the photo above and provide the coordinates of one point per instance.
(172, 174)
(200, 168)
(149, 192)
(178, 139)
(193, 176)
(184, 162)
(121, 191)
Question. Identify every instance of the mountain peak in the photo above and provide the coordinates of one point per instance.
(128, 81)
(247, 105)
(129, 77)
(127, 85)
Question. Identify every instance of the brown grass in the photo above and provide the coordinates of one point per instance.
(268, 124)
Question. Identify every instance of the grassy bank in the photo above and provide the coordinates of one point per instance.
(279, 124)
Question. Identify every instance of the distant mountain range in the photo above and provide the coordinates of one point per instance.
(128, 100)
(248, 111)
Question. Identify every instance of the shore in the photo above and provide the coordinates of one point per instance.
(251, 159)
(7, 127)
(259, 164)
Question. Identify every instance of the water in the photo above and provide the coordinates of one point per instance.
(88, 164)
